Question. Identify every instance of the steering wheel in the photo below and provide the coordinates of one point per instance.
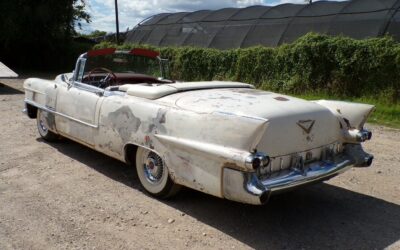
(109, 80)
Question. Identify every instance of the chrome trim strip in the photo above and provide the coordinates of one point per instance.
(89, 88)
(47, 109)
(33, 90)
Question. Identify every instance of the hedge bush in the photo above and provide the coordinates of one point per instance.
(338, 66)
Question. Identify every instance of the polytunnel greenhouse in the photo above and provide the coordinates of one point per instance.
(269, 25)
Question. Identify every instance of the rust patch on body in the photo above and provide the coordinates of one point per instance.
(184, 160)
(281, 98)
(250, 91)
(124, 122)
(231, 165)
(347, 123)
(156, 125)
(161, 116)
(109, 145)
(50, 120)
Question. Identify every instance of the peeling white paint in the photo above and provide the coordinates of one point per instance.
(198, 129)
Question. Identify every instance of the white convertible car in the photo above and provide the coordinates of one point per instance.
(226, 139)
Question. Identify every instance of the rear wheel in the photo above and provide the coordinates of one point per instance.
(44, 132)
(153, 174)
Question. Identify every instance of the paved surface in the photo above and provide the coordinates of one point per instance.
(65, 196)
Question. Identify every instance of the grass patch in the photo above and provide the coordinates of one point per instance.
(385, 114)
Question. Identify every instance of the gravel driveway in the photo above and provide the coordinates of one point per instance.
(65, 196)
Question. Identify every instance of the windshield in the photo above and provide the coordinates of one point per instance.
(105, 68)
(126, 63)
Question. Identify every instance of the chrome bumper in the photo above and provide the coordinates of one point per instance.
(250, 188)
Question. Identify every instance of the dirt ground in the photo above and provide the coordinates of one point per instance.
(66, 196)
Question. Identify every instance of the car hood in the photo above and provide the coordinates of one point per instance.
(294, 125)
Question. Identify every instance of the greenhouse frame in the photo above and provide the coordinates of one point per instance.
(269, 25)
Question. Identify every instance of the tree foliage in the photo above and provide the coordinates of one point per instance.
(94, 34)
(34, 32)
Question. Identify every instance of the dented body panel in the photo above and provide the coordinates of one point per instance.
(206, 132)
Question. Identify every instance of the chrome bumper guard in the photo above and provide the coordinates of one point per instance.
(257, 190)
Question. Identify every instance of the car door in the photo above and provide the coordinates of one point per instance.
(77, 108)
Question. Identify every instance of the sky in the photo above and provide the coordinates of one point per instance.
(131, 12)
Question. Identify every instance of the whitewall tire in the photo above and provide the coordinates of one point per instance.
(43, 129)
(153, 174)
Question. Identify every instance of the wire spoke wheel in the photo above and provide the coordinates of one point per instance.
(43, 130)
(153, 174)
(153, 167)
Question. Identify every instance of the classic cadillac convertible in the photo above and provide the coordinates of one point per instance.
(226, 139)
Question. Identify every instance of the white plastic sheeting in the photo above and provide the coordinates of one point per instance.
(6, 72)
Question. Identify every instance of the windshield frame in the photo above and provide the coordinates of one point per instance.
(80, 65)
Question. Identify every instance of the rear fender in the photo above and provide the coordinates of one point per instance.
(351, 115)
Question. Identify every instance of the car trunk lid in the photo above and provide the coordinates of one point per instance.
(295, 125)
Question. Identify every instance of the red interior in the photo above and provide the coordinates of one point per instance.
(101, 52)
(145, 52)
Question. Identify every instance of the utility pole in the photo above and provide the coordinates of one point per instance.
(116, 21)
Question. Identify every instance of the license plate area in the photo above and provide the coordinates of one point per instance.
(301, 160)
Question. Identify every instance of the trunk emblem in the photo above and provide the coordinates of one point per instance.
(306, 125)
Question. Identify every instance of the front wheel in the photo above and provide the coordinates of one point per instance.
(44, 131)
(153, 174)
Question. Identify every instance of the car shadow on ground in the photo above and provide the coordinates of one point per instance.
(315, 217)
(7, 90)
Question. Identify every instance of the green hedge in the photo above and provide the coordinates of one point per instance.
(337, 66)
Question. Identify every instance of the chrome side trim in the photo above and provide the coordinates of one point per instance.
(89, 88)
(47, 109)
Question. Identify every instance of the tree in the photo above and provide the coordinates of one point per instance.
(94, 34)
(34, 31)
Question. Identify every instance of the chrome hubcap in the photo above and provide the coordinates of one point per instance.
(153, 167)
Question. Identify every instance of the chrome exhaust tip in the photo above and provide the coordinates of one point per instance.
(368, 160)
(364, 135)
(360, 157)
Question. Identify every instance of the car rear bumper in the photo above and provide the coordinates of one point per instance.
(250, 188)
